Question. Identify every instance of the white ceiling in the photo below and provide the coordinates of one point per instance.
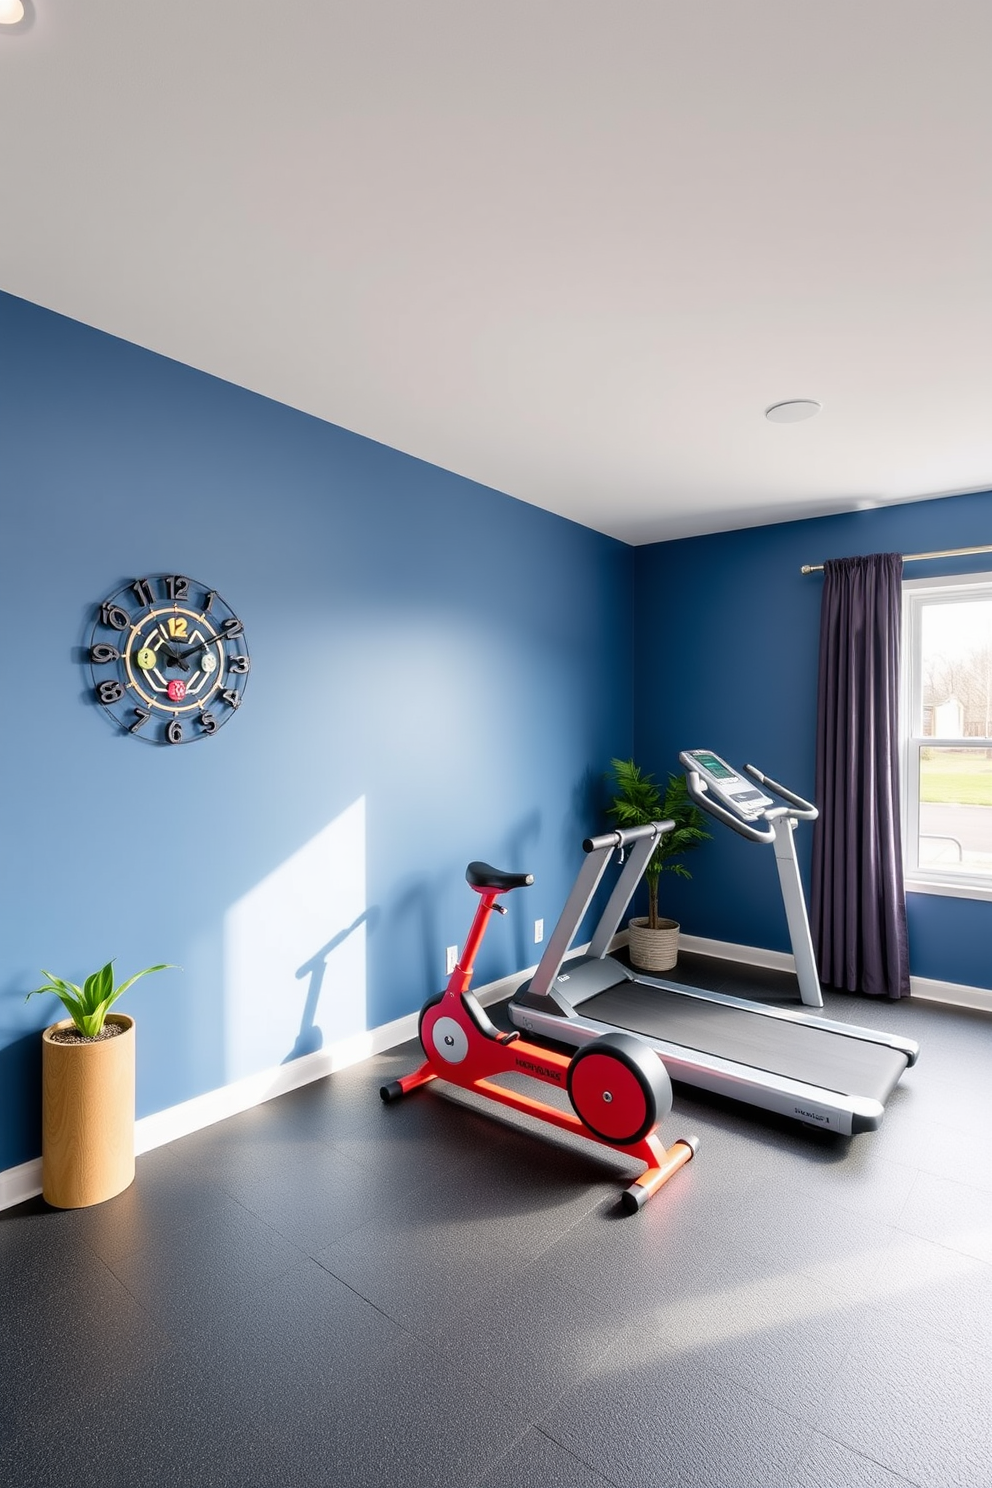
(569, 248)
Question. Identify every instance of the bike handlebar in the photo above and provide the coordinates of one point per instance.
(622, 837)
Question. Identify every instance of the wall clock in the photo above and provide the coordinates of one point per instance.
(168, 659)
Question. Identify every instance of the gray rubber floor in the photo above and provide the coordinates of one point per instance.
(329, 1291)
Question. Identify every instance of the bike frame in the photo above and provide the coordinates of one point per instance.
(487, 1051)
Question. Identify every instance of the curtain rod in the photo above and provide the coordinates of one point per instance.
(911, 557)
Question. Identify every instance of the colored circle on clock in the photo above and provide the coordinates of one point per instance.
(176, 690)
(146, 658)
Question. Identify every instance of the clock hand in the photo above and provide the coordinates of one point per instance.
(175, 657)
(208, 641)
(183, 656)
(172, 655)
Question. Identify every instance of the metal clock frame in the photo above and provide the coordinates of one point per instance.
(167, 650)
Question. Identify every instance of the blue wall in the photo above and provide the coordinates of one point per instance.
(725, 654)
(425, 689)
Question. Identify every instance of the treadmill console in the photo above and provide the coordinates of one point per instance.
(737, 792)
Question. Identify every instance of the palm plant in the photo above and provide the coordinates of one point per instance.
(638, 800)
(89, 1004)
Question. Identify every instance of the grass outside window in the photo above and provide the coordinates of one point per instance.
(951, 778)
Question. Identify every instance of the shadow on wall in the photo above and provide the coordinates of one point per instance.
(414, 918)
(520, 841)
(20, 1082)
(295, 951)
(590, 798)
(311, 1038)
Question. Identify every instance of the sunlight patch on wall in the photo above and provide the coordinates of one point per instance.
(295, 953)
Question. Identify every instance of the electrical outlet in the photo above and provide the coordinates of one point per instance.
(538, 931)
(450, 959)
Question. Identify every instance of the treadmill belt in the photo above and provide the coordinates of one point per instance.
(797, 1051)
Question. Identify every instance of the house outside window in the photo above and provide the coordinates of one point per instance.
(947, 735)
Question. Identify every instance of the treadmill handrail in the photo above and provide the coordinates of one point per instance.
(701, 795)
(804, 810)
(623, 836)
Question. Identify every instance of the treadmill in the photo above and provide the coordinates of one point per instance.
(802, 1065)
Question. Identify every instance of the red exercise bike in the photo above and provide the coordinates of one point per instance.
(618, 1086)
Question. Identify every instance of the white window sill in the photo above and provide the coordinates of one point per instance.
(949, 890)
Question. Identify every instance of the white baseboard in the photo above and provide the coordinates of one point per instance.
(953, 993)
(24, 1182)
(726, 950)
(925, 988)
(20, 1183)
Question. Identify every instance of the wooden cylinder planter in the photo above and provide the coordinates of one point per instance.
(654, 950)
(87, 1116)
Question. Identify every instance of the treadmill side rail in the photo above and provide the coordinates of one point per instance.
(808, 1104)
(896, 1041)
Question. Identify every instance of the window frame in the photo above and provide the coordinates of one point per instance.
(915, 594)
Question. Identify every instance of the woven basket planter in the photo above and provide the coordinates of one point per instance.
(87, 1116)
(654, 950)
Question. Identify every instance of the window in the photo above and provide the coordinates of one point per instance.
(947, 735)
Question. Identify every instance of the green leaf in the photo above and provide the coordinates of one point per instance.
(89, 999)
(105, 981)
(56, 985)
(67, 992)
(638, 800)
(88, 1006)
(165, 966)
(98, 986)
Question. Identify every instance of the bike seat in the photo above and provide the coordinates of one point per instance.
(483, 876)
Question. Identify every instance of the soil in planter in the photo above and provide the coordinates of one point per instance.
(73, 1036)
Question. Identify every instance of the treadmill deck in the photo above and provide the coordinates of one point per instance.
(795, 1051)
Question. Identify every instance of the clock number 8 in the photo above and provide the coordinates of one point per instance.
(110, 692)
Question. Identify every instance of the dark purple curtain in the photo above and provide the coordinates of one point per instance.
(859, 903)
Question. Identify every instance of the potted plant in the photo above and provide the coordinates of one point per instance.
(638, 800)
(87, 1081)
